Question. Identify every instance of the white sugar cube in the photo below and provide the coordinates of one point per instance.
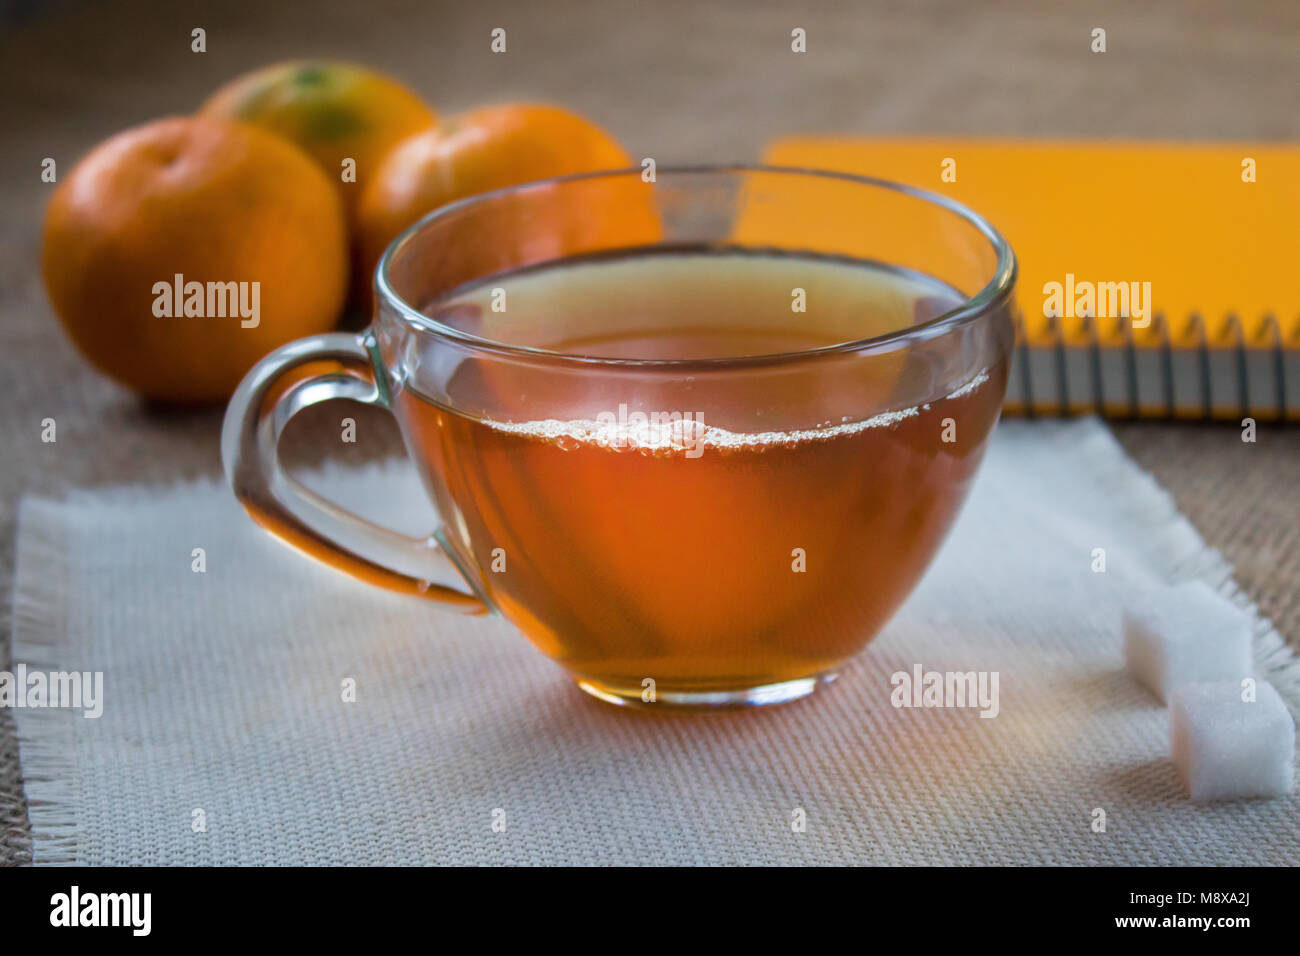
(1185, 634)
(1225, 747)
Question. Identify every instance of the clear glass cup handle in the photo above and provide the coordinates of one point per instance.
(262, 405)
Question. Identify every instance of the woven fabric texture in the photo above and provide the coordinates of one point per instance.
(682, 81)
(223, 693)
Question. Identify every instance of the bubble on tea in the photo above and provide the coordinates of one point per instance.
(647, 434)
(665, 435)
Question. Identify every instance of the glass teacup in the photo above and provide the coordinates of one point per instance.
(697, 438)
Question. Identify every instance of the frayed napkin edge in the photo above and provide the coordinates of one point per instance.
(1147, 501)
(51, 778)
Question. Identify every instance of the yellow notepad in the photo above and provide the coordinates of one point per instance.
(1214, 229)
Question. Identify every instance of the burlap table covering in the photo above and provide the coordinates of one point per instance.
(679, 81)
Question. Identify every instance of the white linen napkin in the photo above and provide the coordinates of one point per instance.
(225, 738)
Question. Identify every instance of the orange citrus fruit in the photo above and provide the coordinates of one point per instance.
(334, 111)
(344, 116)
(497, 146)
(180, 252)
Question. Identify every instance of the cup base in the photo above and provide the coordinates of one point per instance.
(679, 701)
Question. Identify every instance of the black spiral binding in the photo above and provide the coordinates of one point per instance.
(1035, 397)
(1130, 365)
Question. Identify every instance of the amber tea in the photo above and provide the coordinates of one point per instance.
(703, 530)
